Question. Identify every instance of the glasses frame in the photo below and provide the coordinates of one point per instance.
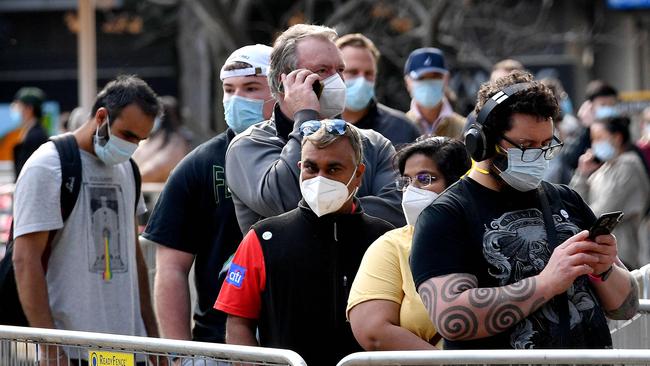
(400, 186)
(543, 151)
(332, 126)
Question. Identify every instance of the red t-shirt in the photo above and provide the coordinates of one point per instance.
(241, 291)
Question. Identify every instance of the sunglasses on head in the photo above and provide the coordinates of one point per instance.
(332, 126)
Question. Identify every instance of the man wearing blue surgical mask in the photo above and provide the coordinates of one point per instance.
(94, 265)
(513, 254)
(361, 107)
(194, 220)
(27, 113)
(426, 77)
(246, 95)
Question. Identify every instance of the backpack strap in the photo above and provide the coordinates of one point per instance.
(561, 301)
(138, 182)
(70, 157)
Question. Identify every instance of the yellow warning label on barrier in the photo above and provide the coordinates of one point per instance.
(101, 358)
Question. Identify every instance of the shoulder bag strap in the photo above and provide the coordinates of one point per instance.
(561, 301)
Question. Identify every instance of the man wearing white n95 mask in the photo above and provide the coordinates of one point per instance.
(291, 274)
(305, 79)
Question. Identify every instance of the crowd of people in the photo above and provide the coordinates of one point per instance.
(325, 222)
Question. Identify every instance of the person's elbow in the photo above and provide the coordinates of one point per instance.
(368, 335)
(371, 326)
(240, 331)
(24, 261)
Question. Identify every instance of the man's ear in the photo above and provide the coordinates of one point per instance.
(101, 116)
(360, 169)
(358, 176)
(299, 164)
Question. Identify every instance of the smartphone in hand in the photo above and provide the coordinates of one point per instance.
(318, 88)
(605, 224)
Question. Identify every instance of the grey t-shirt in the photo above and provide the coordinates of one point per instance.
(92, 278)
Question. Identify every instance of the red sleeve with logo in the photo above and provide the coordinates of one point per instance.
(241, 291)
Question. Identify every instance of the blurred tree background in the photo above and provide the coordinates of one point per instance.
(185, 42)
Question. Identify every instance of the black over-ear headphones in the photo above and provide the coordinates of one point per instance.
(479, 141)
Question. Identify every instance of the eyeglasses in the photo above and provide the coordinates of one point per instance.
(332, 126)
(422, 180)
(530, 154)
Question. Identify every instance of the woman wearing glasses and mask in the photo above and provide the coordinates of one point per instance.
(384, 309)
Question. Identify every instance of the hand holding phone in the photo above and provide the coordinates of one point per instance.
(605, 224)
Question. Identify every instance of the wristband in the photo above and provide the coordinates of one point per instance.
(603, 276)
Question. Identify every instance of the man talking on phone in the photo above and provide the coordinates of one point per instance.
(512, 264)
(262, 162)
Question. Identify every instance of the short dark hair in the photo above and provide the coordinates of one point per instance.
(124, 91)
(599, 88)
(450, 155)
(537, 100)
(617, 125)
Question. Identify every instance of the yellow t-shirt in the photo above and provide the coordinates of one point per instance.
(385, 274)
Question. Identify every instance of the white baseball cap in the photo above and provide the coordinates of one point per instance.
(258, 56)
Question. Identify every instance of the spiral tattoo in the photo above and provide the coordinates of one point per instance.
(456, 285)
(502, 317)
(482, 297)
(428, 293)
(520, 291)
(459, 321)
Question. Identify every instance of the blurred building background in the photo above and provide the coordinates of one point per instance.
(178, 46)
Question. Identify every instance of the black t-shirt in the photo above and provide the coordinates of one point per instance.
(34, 138)
(508, 245)
(195, 214)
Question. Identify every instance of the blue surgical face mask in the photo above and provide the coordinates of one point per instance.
(358, 93)
(15, 118)
(521, 175)
(566, 105)
(111, 149)
(429, 92)
(605, 111)
(603, 150)
(241, 112)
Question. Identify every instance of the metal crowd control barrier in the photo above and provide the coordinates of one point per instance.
(633, 333)
(630, 338)
(500, 357)
(19, 346)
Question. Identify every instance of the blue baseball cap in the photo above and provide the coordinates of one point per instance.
(425, 60)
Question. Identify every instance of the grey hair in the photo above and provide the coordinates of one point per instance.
(321, 139)
(283, 56)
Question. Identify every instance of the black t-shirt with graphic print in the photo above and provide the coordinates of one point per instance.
(508, 245)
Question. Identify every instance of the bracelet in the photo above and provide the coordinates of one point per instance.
(603, 276)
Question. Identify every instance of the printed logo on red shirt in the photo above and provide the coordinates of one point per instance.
(236, 275)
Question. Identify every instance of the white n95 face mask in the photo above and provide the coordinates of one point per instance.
(324, 195)
(523, 176)
(414, 201)
(332, 98)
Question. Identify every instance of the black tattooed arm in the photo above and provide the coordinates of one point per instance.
(461, 311)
